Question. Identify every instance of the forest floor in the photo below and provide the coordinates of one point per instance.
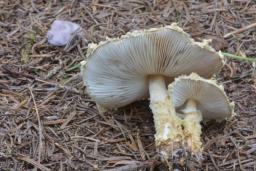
(47, 121)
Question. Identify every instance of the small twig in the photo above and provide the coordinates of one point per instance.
(60, 11)
(56, 85)
(66, 151)
(70, 117)
(96, 146)
(141, 148)
(240, 30)
(213, 161)
(54, 71)
(40, 130)
(33, 50)
(239, 161)
(33, 162)
(133, 167)
(80, 51)
(34, 6)
(54, 122)
(89, 13)
(41, 55)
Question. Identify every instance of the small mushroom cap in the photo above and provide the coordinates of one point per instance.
(210, 98)
(117, 70)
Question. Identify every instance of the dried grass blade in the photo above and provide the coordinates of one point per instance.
(33, 162)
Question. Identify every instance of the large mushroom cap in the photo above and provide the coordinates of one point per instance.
(210, 98)
(117, 70)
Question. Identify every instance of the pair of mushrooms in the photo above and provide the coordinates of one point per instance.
(122, 70)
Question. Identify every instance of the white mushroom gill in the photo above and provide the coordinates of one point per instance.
(198, 98)
(122, 66)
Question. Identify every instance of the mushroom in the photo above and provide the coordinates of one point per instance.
(198, 98)
(122, 70)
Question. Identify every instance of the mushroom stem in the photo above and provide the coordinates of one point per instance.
(192, 127)
(167, 124)
(157, 88)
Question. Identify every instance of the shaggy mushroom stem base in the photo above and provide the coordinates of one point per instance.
(192, 127)
(169, 133)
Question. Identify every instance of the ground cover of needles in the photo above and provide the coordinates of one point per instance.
(47, 121)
